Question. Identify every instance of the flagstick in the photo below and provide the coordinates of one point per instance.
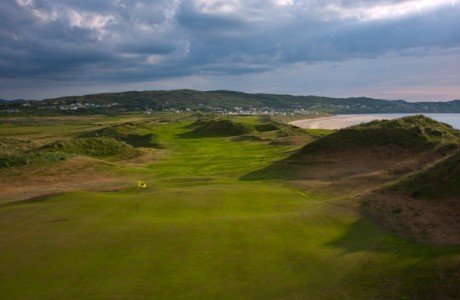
(137, 201)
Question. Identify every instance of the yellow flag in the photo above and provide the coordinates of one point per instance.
(140, 184)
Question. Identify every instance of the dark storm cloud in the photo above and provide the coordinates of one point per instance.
(309, 40)
(120, 40)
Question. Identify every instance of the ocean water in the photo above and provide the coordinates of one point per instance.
(451, 119)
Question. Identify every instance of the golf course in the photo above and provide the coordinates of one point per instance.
(241, 207)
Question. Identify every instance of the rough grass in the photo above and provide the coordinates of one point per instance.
(423, 206)
(387, 148)
(219, 127)
(440, 181)
(129, 133)
(75, 173)
(41, 157)
(263, 127)
(95, 147)
(415, 132)
(11, 146)
(61, 150)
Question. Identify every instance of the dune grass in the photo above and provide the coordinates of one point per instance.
(438, 182)
(201, 233)
(415, 132)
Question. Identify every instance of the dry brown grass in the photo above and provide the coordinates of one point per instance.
(76, 174)
(146, 156)
(359, 175)
(415, 219)
(358, 171)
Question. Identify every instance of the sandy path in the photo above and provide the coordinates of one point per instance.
(338, 122)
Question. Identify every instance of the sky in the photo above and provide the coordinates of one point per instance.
(383, 49)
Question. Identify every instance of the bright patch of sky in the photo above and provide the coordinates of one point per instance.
(378, 48)
(387, 10)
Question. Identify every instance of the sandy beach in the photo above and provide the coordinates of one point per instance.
(338, 122)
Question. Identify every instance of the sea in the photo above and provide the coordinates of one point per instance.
(453, 119)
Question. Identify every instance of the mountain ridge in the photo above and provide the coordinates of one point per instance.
(223, 101)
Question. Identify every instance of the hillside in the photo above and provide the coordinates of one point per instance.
(365, 156)
(440, 181)
(424, 206)
(221, 101)
(129, 133)
(255, 128)
(219, 127)
(417, 133)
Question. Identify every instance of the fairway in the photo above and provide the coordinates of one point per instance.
(202, 233)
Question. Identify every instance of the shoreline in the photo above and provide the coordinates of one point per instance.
(339, 121)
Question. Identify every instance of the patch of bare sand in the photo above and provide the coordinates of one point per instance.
(338, 122)
(76, 174)
(416, 219)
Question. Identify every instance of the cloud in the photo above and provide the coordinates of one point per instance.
(382, 10)
(113, 41)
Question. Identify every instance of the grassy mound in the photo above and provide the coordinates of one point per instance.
(289, 130)
(392, 147)
(31, 158)
(268, 124)
(263, 126)
(415, 132)
(17, 152)
(219, 127)
(95, 147)
(441, 181)
(266, 127)
(10, 146)
(127, 133)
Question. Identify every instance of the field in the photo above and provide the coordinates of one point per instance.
(69, 229)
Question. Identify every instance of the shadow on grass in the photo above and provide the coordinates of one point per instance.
(193, 134)
(364, 236)
(36, 199)
(359, 236)
(394, 268)
(287, 169)
(282, 169)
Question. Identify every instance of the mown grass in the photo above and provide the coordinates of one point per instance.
(227, 241)
(210, 157)
(201, 233)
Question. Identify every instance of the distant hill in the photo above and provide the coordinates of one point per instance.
(222, 101)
